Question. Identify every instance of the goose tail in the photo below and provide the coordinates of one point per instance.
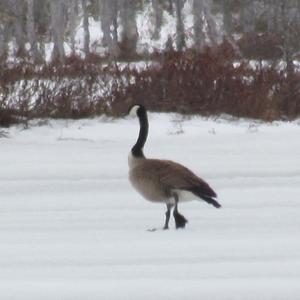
(207, 194)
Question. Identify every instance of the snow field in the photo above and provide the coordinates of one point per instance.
(72, 227)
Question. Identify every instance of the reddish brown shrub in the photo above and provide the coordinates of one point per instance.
(208, 84)
(189, 82)
(261, 46)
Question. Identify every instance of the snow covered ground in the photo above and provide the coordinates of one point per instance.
(71, 226)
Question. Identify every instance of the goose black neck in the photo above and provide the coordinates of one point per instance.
(137, 149)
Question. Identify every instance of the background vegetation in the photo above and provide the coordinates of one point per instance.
(223, 56)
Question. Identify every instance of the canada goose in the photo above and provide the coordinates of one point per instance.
(164, 180)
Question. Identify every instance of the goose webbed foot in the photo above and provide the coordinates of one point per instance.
(180, 220)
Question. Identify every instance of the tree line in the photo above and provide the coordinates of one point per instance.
(27, 26)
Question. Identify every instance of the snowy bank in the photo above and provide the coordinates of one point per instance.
(71, 226)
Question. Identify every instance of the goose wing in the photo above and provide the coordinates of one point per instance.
(175, 176)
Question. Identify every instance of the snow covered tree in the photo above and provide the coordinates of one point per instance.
(129, 35)
(198, 14)
(86, 31)
(19, 33)
(3, 43)
(109, 24)
(180, 35)
(31, 32)
(31, 25)
(227, 12)
(72, 16)
(247, 15)
(158, 17)
(57, 29)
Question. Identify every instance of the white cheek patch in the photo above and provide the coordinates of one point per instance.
(133, 110)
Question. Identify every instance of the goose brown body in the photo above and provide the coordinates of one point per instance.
(158, 180)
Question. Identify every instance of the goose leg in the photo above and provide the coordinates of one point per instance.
(180, 220)
(168, 213)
